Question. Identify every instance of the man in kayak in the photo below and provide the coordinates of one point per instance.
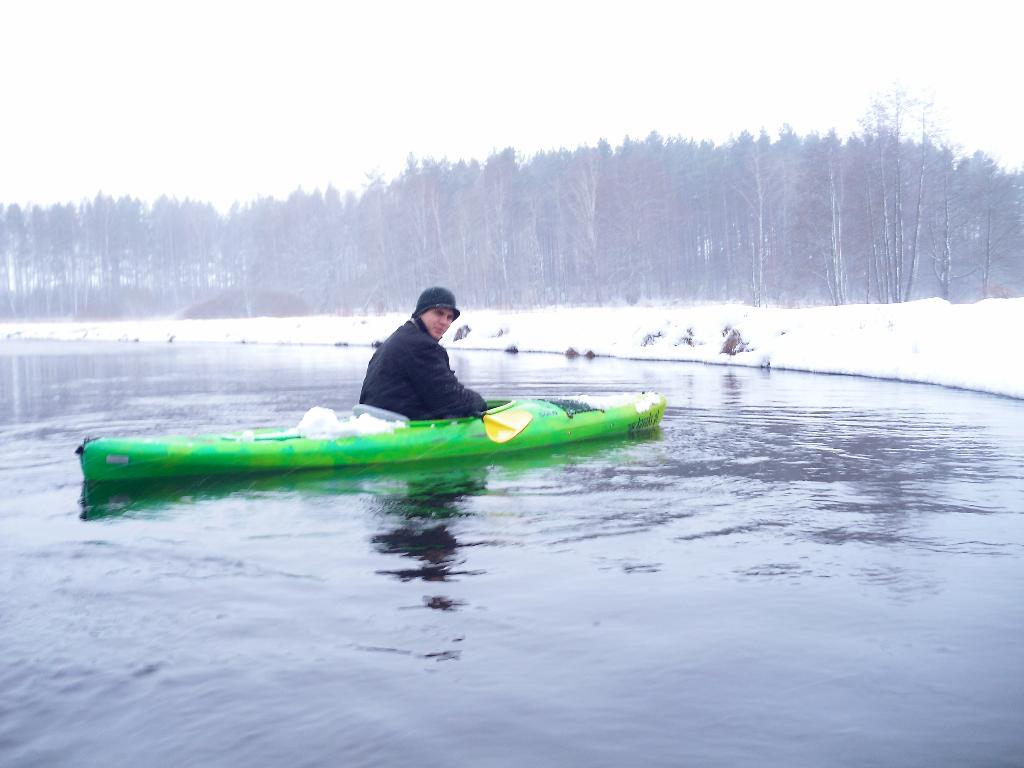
(410, 373)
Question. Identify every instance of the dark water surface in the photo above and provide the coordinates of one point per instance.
(797, 571)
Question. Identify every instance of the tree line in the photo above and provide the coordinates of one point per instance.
(886, 215)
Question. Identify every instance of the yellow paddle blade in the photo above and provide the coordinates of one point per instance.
(502, 427)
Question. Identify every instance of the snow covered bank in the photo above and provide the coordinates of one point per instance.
(971, 346)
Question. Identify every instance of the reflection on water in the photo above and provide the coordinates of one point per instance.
(413, 503)
(428, 501)
(421, 490)
(434, 545)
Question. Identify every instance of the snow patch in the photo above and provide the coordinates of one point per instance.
(970, 346)
(643, 401)
(323, 424)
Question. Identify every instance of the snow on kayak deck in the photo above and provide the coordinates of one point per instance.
(321, 423)
(643, 401)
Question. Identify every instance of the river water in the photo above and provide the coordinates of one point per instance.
(796, 570)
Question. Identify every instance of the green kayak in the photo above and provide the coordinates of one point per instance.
(373, 438)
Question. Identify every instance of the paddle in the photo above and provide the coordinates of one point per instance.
(503, 426)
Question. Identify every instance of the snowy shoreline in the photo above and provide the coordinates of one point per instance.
(967, 346)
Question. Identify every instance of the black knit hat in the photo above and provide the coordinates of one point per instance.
(436, 297)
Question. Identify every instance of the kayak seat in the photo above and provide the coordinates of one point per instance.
(378, 413)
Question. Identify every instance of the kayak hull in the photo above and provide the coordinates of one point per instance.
(524, 425)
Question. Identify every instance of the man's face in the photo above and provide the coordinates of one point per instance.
(437, 321)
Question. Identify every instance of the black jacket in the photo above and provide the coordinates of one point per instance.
(410, 374)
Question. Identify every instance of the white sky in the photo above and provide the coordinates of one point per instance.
(227, 101)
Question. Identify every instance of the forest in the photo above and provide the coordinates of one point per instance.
(889, 214)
